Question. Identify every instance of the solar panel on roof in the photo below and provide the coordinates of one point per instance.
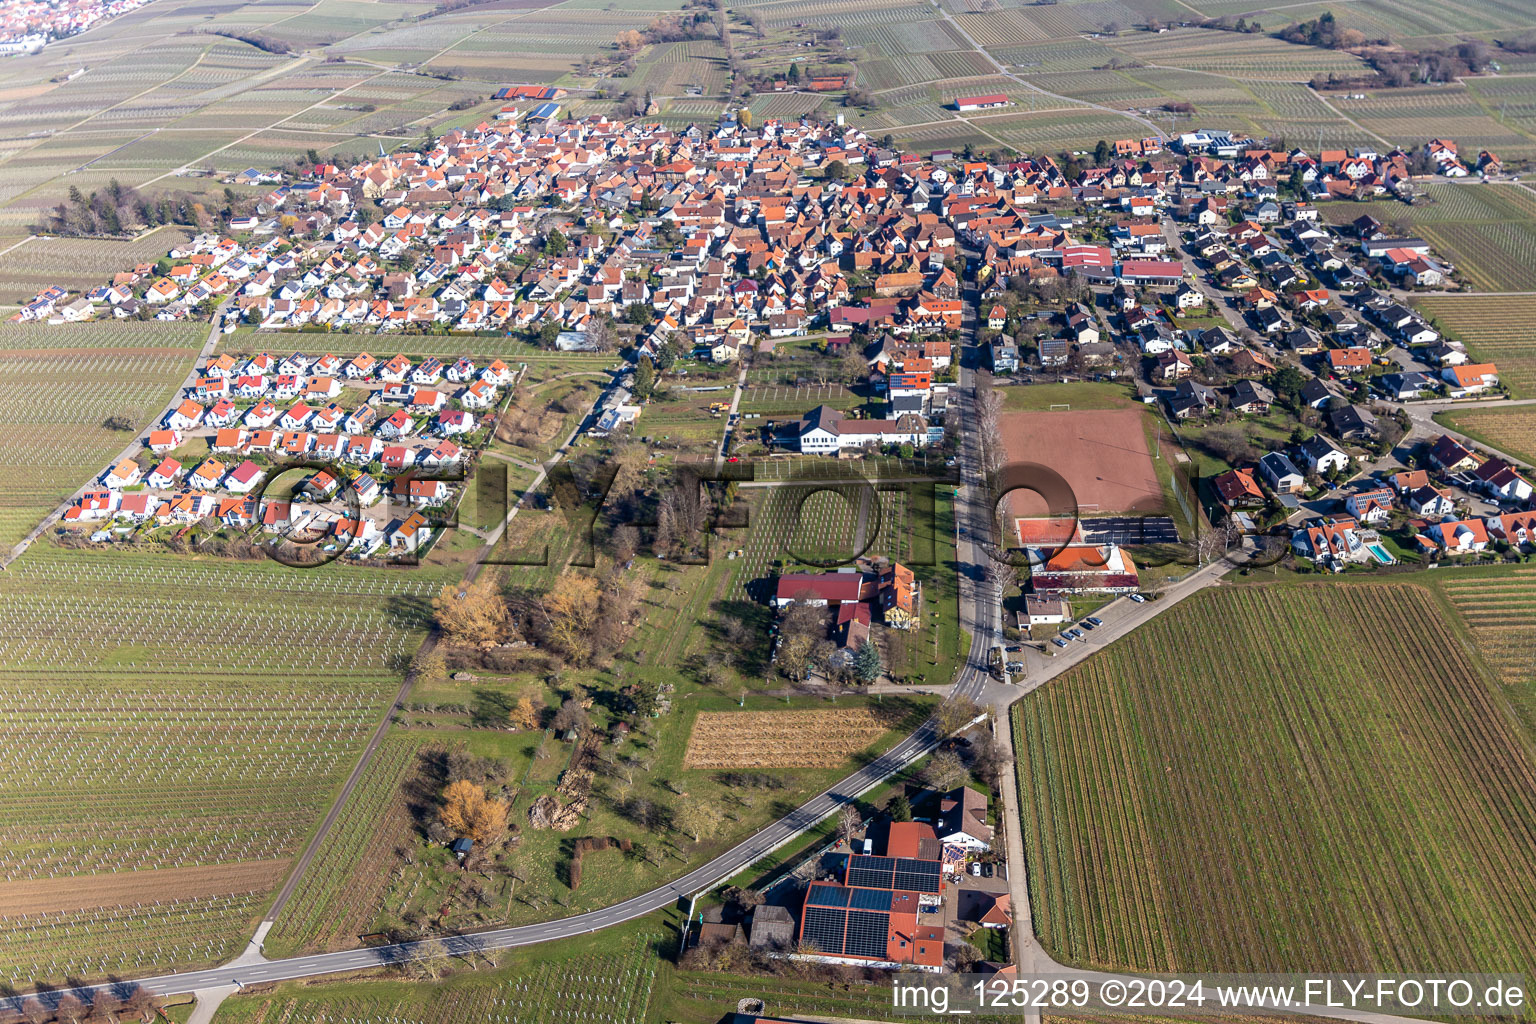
(826, 896)
(869, 899)
(867, 933)
(916, 875)
(872, 872)
(824, 927)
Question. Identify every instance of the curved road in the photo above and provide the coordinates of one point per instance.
(979, 615)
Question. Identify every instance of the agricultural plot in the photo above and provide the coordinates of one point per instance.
(59, 386)
(1411, 115)
(1067, 55)
(1053, 130)
(775, 739)
(1347, 769)
(1498, 607)
(811, 522)
(1488, 232)
(76, 263)
(1511, 100)
(581, 980)
(1509, 430)
(212, 707)
(329, 906)
(1498, 328)
(1245, 57)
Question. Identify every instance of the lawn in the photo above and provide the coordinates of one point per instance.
(1085, 395)
(1307, 777)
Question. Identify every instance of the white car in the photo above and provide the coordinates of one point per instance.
(976, 869)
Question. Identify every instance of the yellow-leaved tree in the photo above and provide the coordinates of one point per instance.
(474, 614)
(467, 811)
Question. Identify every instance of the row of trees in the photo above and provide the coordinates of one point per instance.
(107, 1006)
(117, 209)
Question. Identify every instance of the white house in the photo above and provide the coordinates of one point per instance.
(963, 820)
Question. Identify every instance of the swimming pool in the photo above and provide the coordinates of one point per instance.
(1381, 554)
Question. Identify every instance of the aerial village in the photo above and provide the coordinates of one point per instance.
(1196, 270)
(26, 26)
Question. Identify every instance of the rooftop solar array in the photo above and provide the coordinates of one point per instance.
(894, 873)
(869, 899)
(824, 928)
(826, 896)
(867, 933)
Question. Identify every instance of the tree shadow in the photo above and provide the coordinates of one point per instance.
(491, 708)
(408, 611)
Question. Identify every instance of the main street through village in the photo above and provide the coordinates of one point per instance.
(980, 618)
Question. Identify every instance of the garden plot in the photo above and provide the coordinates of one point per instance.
(743, 740)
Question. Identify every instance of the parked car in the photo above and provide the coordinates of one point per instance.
(1087, 625)
(976, 869)
(1058, 641)
(986, 870)
(1095, 620)
(1138, 599)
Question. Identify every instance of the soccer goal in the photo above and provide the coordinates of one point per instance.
(1062, 407)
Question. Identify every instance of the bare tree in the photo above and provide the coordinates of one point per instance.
(945, 770)
(989, 408)
(954, 714)
(848, 822)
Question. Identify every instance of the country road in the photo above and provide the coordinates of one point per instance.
(980, 616)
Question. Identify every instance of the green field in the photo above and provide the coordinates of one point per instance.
(211, 707)
(1500, 329)
(58, 386)
(1294, 795)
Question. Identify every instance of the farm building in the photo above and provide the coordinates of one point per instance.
(528, 92)
(988, 102)
(870, 917)
(544, 112)
(1157, 272)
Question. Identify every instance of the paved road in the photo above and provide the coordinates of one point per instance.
(135, 447)
(980, 615)
(1422, 415)
(727, 864)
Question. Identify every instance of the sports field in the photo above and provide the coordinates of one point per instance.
(1103, 456)
(1301, 777)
